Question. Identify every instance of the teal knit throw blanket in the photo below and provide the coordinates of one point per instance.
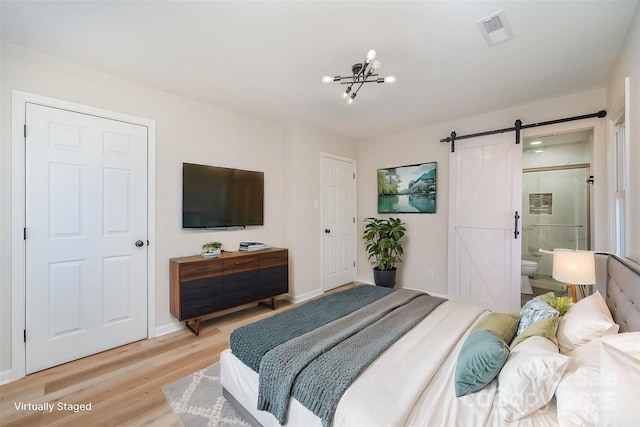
(250, 342)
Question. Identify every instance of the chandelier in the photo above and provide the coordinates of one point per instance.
(362, 73)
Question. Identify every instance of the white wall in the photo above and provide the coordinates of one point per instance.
(187, 131)
(628, 65)
(426, 241)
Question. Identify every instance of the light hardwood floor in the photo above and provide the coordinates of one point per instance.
(124, 385)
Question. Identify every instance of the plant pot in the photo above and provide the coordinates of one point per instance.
(211, 253)
(385, 278)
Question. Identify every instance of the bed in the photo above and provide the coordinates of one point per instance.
(414, 381)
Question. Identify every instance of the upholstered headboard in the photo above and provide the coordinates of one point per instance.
(618, 279)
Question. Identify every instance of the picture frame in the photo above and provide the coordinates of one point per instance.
(408, 189)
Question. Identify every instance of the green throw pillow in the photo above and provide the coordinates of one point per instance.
(481, 357)
(503, 325)
(545, 328)
(548, 297)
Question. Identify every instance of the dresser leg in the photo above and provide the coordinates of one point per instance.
(195, 331)
(273, 303)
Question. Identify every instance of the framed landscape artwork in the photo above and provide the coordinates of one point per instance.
(407, 189)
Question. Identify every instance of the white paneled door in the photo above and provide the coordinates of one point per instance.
(338, 222)
(485, 181)
(86, 235)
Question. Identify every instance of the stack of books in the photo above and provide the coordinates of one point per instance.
(252, 246)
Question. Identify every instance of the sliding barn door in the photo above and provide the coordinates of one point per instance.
(484, 199)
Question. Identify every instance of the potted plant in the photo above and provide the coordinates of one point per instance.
(382, 241)
(211, 250)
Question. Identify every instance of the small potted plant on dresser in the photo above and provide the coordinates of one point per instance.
(211, 250)
(382, 241)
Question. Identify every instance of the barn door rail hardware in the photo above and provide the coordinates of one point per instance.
(518, 126)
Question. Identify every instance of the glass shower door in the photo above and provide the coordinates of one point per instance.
(555, 215)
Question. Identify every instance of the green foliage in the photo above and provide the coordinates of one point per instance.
(562, 304)
(382, 241)
(388, 180)
(212, 245)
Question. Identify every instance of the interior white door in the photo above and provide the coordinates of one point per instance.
(86, 212)
(338, 222)
(485, 179)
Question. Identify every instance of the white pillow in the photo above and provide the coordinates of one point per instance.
(529, 379)
(585, 321)
(619, 381)
(578, 395)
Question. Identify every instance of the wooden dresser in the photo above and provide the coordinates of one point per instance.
(202, 286)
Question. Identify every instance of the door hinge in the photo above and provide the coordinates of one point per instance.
(354, 175)
(25, 130)
(24, 233)
(354, 219)
(354, 263)
(25, 335)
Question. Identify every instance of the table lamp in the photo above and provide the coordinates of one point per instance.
(574, 268)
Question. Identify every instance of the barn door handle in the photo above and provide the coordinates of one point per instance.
(515, 228)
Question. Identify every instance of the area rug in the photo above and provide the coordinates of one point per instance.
(197, 401)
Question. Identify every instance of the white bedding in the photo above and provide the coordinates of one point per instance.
(410, 384)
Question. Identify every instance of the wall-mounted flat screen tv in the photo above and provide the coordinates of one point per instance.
(215, 197)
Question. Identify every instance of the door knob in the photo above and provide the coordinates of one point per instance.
(139, 243)
(326, 230)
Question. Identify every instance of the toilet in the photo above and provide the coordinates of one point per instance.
(527, 268)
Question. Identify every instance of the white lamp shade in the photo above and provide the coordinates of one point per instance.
(574, 267)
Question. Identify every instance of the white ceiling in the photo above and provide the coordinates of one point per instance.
(264, 59)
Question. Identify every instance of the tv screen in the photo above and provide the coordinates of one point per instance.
(221, 197)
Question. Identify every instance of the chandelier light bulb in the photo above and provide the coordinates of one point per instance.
(371, 55)
(345, 94)
(390, 79)
(374, 67)
(327, 79)
(350, 101)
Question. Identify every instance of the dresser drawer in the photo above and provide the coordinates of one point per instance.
(201, 269)
(243, 280)
(271, 259)
(201, 288)
(201, 307)
(241, 263)
(279, 273)
(242, 296)
(272, 289)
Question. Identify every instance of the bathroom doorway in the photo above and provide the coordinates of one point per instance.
(556, 203)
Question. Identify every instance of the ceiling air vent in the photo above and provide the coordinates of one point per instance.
(495, 28)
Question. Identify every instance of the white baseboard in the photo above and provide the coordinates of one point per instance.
(438, 295)
(365, 280)
(5, 377)
(304, 297)
(168, 328)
